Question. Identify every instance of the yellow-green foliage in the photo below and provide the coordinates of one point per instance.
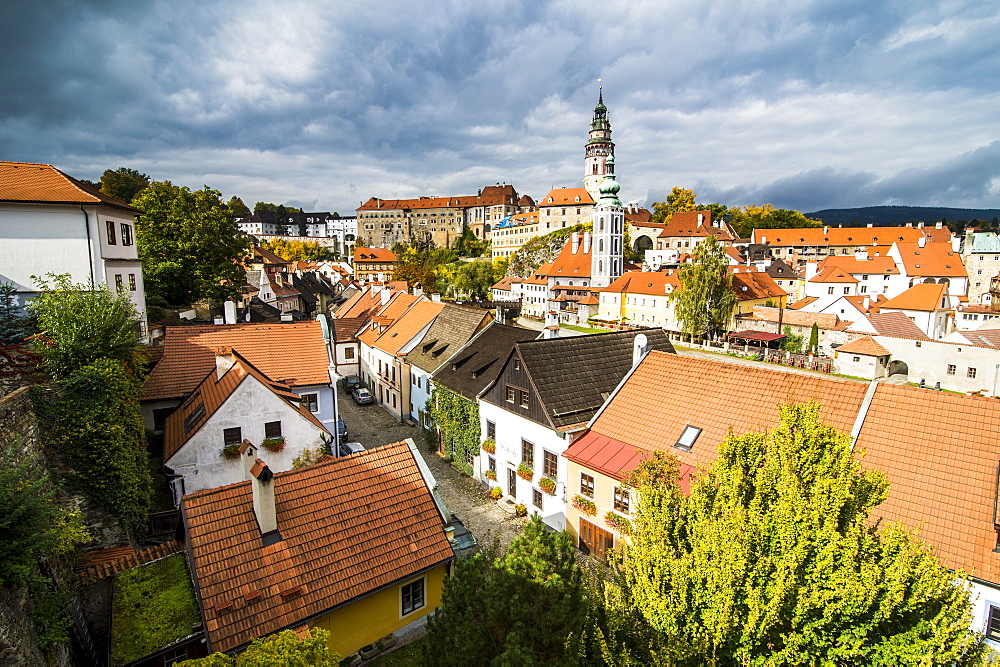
(771, 560)
(153, 606)
(294, 250)
(284, 649)
(457, 419)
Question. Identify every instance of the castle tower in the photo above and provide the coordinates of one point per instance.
(599, 149)
(607, 259)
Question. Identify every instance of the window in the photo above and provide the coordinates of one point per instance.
(527, 452)
(951, 369)
(864, 289)
(847, 290)
(118, 282)
(468, 457)
(524, 398)
(829, 290)
(412, 595)
(688, 437)
(232, 436)
(586, 485)
(491, 430)
(510, 394)
(855, 359)
(126, 234)
(131, 281)
(492, 463)
(971, 372)
(160, 418)
(111, 233)
(272, 429)
(993, 624)
(621, 500)
(550, 464)
(310, 402)
(348, 353)
(536, 498)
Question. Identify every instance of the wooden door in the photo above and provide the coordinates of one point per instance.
(511, 483)
(595, 540)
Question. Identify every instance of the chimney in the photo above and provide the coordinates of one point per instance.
(826, 230)
(938, 224)
(639, 349)
(436, 297)
(262, 483)
(586, 243)
(384, 295)
(763, 240)
(909, 224)
(867, 303)
(229, 309)
(922, 241)
(418, 291)
(574, 242)
(381, 277)
(551, 325)
(701, 219)
(224, 360)
(920, 225)
(870, 225)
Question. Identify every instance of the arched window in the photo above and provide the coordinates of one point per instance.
(600, 245)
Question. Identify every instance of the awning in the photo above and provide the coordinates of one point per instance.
(759, 336)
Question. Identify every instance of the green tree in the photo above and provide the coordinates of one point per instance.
(814, 339)
(14, 326)
(475, 279)
(467, 245)
(284, 649)
(190, 246)
(681, 199)
(772, 559)
(123, 184)
(237, 207)
(749, 218)
(526, 607)
(792, 342)
(705, 301)
(80, 324)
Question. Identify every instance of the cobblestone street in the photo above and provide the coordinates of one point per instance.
(373, 426)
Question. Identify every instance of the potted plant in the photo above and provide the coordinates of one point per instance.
(275, 444)
(490, 475)
(618, 522)
(584, 505)
(520, 510)
(489, 446)
(525, 472)
(548, 485)
(231, 451)
(496, 492)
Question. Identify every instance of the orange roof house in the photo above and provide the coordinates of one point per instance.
(355, 545)
(216, 415)
(693, 227)
(30, 182)
(923, 296)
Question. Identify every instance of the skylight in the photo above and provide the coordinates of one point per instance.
(688, 437)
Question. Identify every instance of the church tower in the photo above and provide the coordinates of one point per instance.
(599, 149)
(607, 259)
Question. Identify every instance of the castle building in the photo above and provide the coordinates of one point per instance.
(607, 258)
(600, 149)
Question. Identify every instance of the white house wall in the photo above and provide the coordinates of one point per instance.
(200, 460)
(928, 360)
(983, 597)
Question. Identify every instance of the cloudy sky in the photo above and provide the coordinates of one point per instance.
(325, 103)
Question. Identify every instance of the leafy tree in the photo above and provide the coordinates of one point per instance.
(296, 250)
(476, 278)
(123, 184)
(14, 326)
(33, 525)
(467, 245)
(284, 649)
(792, 342)
(814, 339)
(237, 207)
(528, 606)
(679, 200)
(748, 218)
(542, 249)
(190, 246)
(80, 324)
(772, 560)
(704, 303)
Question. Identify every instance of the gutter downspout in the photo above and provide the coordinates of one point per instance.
(90, 249)
(866, 403)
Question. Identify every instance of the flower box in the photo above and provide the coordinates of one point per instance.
(525, 472)
(231, 452)
(618, 522)
(520, 510)
(274, 444)
(584, 505)
(489, 446)
(490, 475)
(496, 492)
(548, 485)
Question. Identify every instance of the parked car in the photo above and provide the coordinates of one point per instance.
(463, 541)
(350, 383)
(341, 430)
(349, 448)
(362, 396)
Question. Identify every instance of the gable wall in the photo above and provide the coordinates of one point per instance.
(518, 379)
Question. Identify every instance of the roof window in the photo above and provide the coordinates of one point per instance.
(688, 437)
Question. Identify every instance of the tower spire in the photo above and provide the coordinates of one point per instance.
(599, 147)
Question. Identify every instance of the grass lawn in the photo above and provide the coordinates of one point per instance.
(404, 657)
(586, 330)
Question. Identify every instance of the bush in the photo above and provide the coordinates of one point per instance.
(496, 492)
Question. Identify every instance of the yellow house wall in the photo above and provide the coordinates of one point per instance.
(604, 499)
(364, 621)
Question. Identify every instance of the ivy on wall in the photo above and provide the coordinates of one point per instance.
(457, 420)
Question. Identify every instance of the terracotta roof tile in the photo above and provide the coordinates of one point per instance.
(644, 282)
(566, 197)
(406, 326)
(896, 324)
(836, 236)
(188, 355)
(686, 224)
(853, 265)
(362, 254)
(833, 274)
(933, 260)
(43, 183)
(922, 296)
(348, 527)
(864, 345)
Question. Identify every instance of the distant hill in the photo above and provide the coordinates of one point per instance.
(899, 215)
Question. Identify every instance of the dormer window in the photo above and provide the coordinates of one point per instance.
(688, 438)
(577, 198)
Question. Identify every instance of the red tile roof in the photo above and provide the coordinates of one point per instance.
(896, 324)
(922, 296)
(749, 285)
(853, 265)
(836, 236)
(293, 353)
(42, 183)
(864, 345)
(407, 325)
(644, 282)
(686, 224)
(362, 254)
(566, 197)
(933, 260)
(833, 274)
(348, 527)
